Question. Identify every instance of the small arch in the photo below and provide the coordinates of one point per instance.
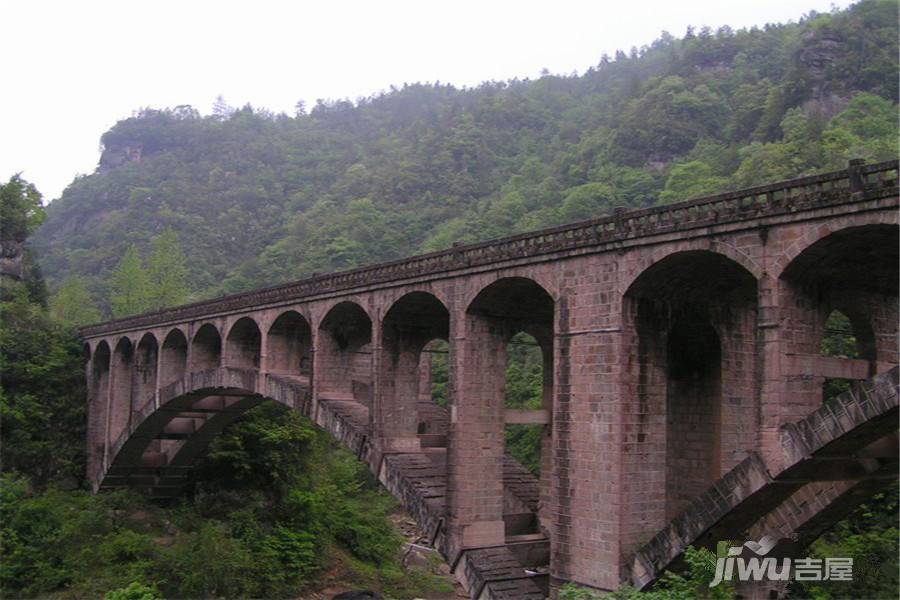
(244, 344)
(348, 323)
(839, 338)
(206, 348)
(101, 359)
(288, 345)
(525, 389)
(508, 310)
(846, 337)
(344, 353)
(174, 357)
(146, 363)
(852, 270)
(411, 323)
(434, 375)
(514, 299)
(120, 398)
(99, 404)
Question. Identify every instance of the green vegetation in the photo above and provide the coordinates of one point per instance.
(135, 289)
(694, 583)
(524, 390)
(258, 198)
(838, 340)
(21, 210)
(130, 286)
(869, 536)
(275, 502)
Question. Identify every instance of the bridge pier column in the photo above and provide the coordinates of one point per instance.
(590, 509)
(263, 361)
(476, 444)
(395, 407)
(770, 356)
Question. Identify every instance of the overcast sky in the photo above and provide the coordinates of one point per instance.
(71, 69)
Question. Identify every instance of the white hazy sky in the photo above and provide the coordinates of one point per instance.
(71, 69)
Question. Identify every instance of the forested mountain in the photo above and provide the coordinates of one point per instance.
(258, 198)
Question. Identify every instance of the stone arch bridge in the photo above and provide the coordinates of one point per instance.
(683, 380)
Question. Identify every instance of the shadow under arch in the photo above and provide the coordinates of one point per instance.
(344, 354)
(98, 394)
(689, 325)
(412, 322)
(243, 344)
(499, 311)
(206, 348)
(145, 371)
(854, 272)
(289, 345)
(121, 389)
(173, 357)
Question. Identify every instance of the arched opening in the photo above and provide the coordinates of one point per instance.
(288, 345)
(99, 398)
(525, 390)
(145, 371)
(206, 349)
(409, 325)
(344, 354)
(243, 344)
(509, 324)
(850, 343)
(174, 358)
(434, 391)
(840, 301)
(121, 388)
(690, 338)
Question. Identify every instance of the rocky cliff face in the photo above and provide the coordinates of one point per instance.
(117, 156)
(820, 51)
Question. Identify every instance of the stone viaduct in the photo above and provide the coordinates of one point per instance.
(683, 380)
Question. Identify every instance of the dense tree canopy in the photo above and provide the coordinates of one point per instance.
(257, 198)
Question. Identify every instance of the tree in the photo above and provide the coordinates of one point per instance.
(72, 304)
(129, 286)
(691, 180)
(221, 110)
(21, 211)
(586, 201)
(167, 272)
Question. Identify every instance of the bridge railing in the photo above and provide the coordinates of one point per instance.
(857, 181)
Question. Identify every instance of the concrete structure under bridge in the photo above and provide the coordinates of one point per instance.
(683, 378)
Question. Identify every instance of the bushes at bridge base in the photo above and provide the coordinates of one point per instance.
(693, 584)
(869, 536)
(277, 504)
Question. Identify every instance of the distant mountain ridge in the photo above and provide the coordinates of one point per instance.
(259, 198)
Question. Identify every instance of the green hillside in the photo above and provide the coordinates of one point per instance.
(259, 198)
